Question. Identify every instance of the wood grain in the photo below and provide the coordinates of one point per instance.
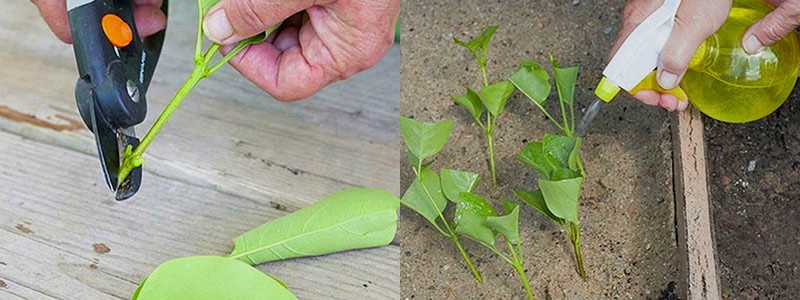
(230, 159)
(693, 210)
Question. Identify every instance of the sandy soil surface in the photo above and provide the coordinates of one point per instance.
(626, 209)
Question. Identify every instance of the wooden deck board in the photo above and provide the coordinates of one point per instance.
(230, 159)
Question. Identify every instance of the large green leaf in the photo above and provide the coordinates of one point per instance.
(535, 199)
(496, 95)
(575, 157)
(418, 196)
(562, 197)
(553, 157)
(532, 81)
(479, 46)
(210, 277)
(471, 101)
(507, 224)
(425, 139)
(470, 217)
(348, 219)
(565, 79)
(455, 182)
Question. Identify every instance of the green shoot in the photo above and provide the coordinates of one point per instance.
(556, 157)
(132, 158)
(491, 98)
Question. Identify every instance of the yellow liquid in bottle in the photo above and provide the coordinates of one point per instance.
(732, 86)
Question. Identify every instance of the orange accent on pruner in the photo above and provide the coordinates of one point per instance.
(117, 31)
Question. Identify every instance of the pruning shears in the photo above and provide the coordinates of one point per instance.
(115, 67)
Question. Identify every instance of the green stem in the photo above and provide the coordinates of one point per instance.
(524, 278)
(549, 116)
(485, 76)
(475, 273)
(450, 232)
(564, 117)
(491, 159)
(199, 47)
(575, 237)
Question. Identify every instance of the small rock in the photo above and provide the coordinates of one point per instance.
(101, 248)
(751, 166)
(608, 30)
(3, 284)
(576, 2)
(540, 25)
(93, 266)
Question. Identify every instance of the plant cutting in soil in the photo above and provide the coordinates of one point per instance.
(348, 219)
(556, 158)
(491, 98)
(474, 218)
(132, 158)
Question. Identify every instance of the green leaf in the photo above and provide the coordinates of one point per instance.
(479, 46)
(535, 199)
(552, 157)
(562, 197)
(206, 5)
(455, 182)
(471, 101)
(565, 79)
(471, 212)
(349, 219)
(496, 95)
(425, 139)
(417, 199)
(508, 224)
(532, 81)
(575, 156)
(210, 277)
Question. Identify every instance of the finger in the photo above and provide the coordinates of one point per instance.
(668, 102)
(285, 75)
(154, 3)
(772, 28)
(149, 20)
(231, 21)
(287, 38)
(682, 105)
(695, 21)
(648, 97)
(54, 14)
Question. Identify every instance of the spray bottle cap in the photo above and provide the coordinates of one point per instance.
(639, 53)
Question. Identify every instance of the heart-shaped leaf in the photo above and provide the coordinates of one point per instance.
(471, 101)
(532, 81)
(562, 197)
(496, 95)
(508, 224)
(455, 182)
(565, 79)
(418, 197)
(425, 139)
(349, 219)
(210, 277)
(470, 217)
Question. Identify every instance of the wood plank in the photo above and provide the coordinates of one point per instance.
(231, 159)
(695, 233)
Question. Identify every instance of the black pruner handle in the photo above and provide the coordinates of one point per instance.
(118, 72)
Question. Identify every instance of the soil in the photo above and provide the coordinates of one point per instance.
(626, 210)
(754, 177)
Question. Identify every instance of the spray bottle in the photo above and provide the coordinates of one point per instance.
(723, 81)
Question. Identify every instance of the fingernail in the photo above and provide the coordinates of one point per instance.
(752, 45)
(217, 27)
(667, 80)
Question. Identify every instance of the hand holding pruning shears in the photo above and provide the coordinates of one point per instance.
(319, 43)
(695, 21)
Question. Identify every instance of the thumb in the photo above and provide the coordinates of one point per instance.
(771, 28)
(231, 21)
(693, 25)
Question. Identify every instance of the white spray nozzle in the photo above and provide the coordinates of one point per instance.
(639, 53)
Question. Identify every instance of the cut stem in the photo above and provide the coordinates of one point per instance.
(468, 260)
(575, 237)
(490, 147)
